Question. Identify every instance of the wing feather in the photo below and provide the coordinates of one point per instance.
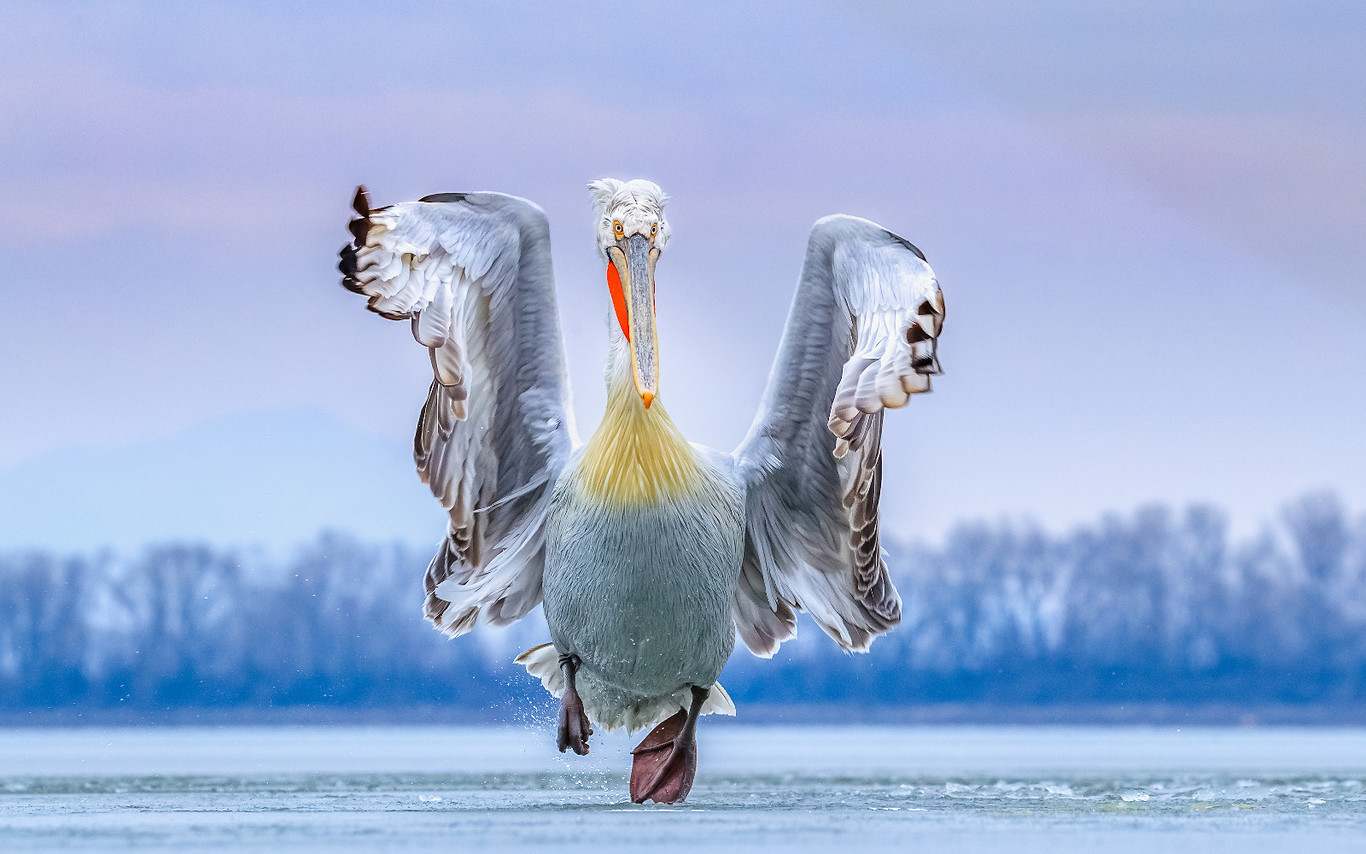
(862, 337)
(471, 273)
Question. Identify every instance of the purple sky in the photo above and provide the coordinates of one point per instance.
(1148, 221)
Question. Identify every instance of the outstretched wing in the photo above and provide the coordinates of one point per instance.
(861, 337)
(471, 272)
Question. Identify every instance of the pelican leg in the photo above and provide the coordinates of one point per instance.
(666, 759)
(574, 726)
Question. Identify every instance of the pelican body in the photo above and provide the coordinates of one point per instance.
(662, 622)
(649, 554)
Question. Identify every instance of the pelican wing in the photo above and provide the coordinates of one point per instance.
(471, 273)
(861, 337)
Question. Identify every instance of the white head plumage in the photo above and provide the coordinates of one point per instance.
(636, 206)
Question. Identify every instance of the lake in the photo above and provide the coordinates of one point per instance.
(980, 788)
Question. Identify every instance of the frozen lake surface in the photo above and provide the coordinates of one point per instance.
(1053, 789)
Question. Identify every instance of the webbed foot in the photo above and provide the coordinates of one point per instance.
(666, 759)
(574, 726)
(665, 764)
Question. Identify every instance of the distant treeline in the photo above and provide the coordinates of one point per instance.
(1155, 607)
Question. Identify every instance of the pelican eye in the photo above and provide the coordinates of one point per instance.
(616, 227)
(654, 228)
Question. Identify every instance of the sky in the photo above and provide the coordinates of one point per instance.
(1147, 219)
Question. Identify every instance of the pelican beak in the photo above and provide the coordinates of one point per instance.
(634, 258)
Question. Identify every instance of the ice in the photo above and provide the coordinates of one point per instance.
(794, 789)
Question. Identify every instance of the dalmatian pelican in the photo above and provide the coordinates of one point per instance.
(649, 554)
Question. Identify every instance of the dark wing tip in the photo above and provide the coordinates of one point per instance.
(347, 265)
(444, 197)
(387, 315)
(359, 228)
(360, 225)
(909, 245)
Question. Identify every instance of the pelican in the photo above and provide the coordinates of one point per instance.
(648, 553)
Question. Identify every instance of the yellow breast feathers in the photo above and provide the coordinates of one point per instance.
(637, 455)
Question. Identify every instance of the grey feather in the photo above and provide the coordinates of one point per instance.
(812, 461)
(472, 273)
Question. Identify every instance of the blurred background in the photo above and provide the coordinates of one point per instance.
(1139, 486)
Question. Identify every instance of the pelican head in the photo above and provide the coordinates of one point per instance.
(631, 232)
